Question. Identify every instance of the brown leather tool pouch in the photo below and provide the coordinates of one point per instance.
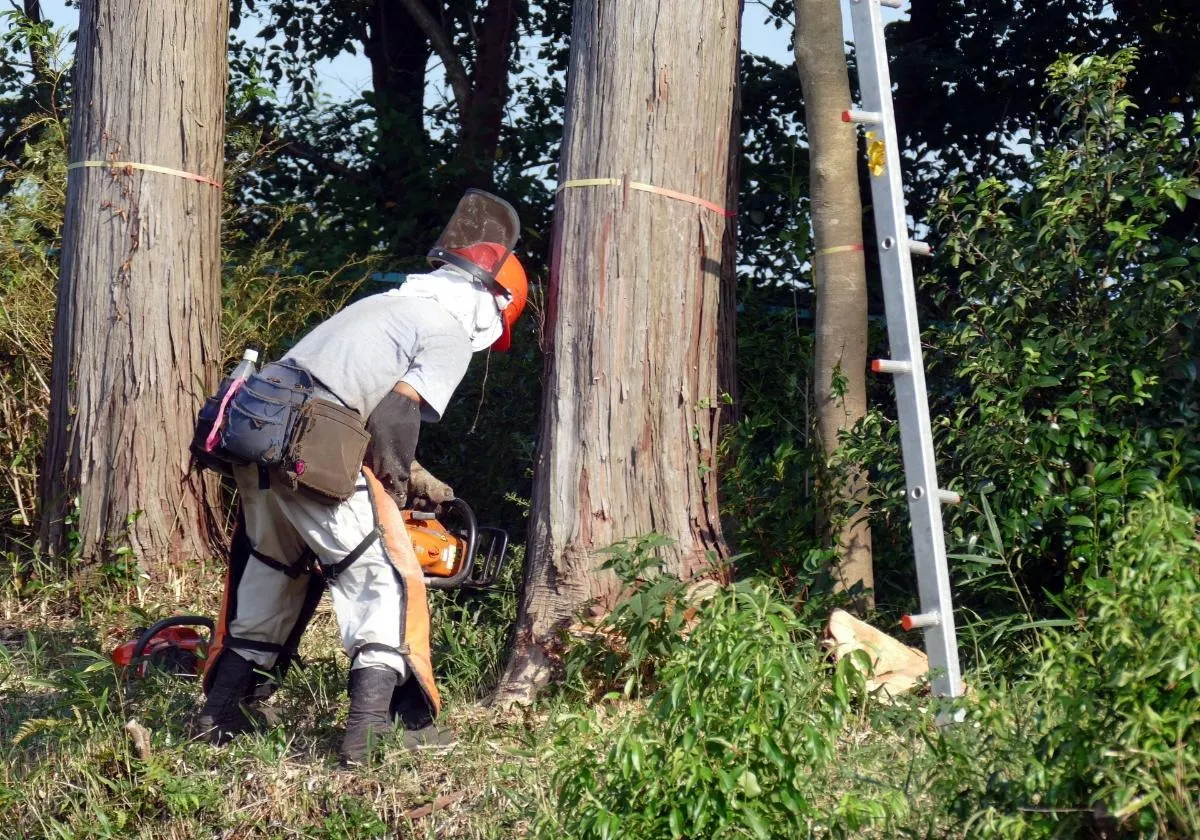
(326, 452)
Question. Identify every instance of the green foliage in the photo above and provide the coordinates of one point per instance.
(769, 460)
(642, 631)
(1066, 378)
(985, 55)
(470, 633)
(1103, 734)
(30, 235)
(738, 739)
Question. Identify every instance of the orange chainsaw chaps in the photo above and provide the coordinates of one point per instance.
(399, 550)
(218, 636)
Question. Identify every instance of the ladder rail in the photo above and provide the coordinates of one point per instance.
(925, 499)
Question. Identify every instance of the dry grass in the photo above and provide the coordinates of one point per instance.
(69, 768)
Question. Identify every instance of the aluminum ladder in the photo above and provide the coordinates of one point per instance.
(896, 249)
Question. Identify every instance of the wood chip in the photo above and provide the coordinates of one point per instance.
(140, 736)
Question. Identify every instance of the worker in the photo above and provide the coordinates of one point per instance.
(321, 509)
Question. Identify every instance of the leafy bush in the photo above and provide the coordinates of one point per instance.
(1065, 376)
(1103, 735)
(738, 740)
(769, 460)
(640, 633)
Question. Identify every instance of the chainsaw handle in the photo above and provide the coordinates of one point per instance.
(464, 573)
(157, 627)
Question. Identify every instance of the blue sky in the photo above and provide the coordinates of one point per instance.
(349, 74)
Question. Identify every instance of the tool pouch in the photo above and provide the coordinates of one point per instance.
(264, 412)
(326, 452)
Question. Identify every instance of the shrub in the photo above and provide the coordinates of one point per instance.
(769, 460)
(1065, 375)
(30, 234)
(738, 740)
(1104, 733)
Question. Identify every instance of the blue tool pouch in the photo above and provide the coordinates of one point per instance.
(263, 414)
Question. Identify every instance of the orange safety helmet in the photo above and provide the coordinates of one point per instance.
(509, 276)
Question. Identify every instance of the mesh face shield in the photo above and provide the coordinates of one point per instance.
(481, 219)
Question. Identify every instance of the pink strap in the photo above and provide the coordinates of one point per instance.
(210, 442)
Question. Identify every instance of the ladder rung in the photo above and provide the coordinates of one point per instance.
(912, 622)
(853, 115)
(892, 4)
(919, 249)
(949, 497)
(890, 366)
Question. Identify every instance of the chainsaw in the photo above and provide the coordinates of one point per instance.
(454, 551)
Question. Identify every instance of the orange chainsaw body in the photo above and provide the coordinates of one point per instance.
(440, 552)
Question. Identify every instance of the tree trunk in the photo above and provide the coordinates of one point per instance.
(840, 354)
(136, 335)
(635, 318)
(480, 122)
(399, 52)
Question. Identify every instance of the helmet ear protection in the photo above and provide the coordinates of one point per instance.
(508, 283)
(511, 278)
(479, 239)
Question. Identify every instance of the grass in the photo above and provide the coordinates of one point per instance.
(68, 768)
(782, 744)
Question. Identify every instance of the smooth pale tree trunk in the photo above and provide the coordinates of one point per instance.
(840, 354)
(136, 336)
(638, 328)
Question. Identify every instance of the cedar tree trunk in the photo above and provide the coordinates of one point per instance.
(136, 336)
(840, 355)
(636, 314)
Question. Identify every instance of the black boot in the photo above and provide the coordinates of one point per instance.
(411, 708)
(370, 712)
(224, 715)
(429, 737)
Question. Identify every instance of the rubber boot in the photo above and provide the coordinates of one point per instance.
(430, 737)
(224, 715)
(370, 712)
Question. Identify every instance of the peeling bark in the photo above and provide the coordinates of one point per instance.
(136, 335)
(638, 319)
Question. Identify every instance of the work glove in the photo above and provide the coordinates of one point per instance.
(423, 485)
(394, 426)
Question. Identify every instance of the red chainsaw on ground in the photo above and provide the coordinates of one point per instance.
(453, 550)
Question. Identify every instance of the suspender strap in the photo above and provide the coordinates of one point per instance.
(293, 571)
(330, 571)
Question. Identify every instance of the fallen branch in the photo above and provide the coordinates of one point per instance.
(436, 805)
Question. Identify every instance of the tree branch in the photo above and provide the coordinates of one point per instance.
(301, 150)
(456, 74)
